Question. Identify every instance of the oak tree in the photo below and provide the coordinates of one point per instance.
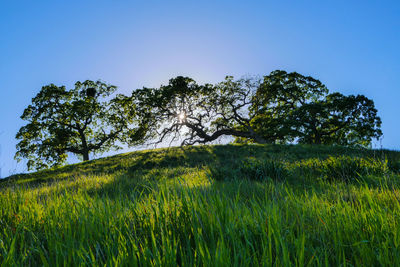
(282, 107)
(291, 107)
(184, 110)
(83, 120)
(277, 98)
(339, 119)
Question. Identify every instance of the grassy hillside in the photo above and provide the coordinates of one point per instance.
(233, 205)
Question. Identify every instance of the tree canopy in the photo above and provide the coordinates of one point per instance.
(277, 99)
(82, 120)
(292, 107)
(280, 107)
(338, 119)
(184, 110)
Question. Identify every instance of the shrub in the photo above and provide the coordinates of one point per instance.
(342, 168)
(263, 170)
(394, 166)
(252, 169)
(220, 172)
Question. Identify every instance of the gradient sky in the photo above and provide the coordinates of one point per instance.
(351, 46)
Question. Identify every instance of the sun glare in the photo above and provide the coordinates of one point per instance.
(181, 116)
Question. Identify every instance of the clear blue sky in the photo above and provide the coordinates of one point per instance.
(351, 46)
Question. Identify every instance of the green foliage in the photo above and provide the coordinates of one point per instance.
(158, 208)
(393, 161)
(394, 166)
(291, 107)
(338, 119)
(281, 108)
(344, 168)
(81, 121)
(338, 168)
(276, 101)
(221, 172)
(261, 170)
(191, 113)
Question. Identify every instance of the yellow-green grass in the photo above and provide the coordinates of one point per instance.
(233, 205)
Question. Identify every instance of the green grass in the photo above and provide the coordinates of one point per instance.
(233, 205)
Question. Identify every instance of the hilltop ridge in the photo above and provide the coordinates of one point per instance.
(200, 156)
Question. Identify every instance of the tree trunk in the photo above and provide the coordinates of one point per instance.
(85, 150)
(317, 136)
(317, 140)
(85, 155)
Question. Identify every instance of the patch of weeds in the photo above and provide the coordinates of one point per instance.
(261, 170)
(343, 168)
(394, 166)
(220, 172)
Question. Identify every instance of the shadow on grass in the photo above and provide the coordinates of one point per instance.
(192, 156)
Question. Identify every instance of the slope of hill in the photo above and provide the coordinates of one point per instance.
(232, 205)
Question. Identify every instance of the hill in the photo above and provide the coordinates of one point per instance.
(231, 205)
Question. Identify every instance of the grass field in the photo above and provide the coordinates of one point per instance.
(232, 205)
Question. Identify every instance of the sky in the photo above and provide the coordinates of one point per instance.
(353, 47)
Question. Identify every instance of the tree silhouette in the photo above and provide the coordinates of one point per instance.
(293, 107)
(198, 113)
(81, 121)
(339, 119)
(282, 107)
